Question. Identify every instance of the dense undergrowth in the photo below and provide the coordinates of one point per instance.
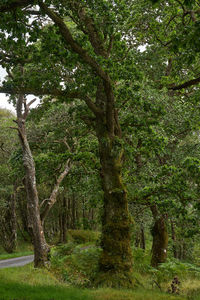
(76, 263)
(74, 266)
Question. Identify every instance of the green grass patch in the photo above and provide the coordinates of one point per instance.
(28, 274)
(15, 254)
(22, 291)
(139, 294)
(28, 283)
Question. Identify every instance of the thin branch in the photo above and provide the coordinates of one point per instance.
(32, 12)
(181, 4)
(52, 199)
(27, 108)
(110, 45)
(42, 203)
(54, 92)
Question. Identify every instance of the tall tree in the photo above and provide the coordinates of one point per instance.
(96, 45)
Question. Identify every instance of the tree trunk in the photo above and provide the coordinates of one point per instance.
(61, 228)
(174, 239)
(116, 258)
(73, 211)
(142, 241)
(41, 248)
(160, 239)
(13, 220)
(63, 221)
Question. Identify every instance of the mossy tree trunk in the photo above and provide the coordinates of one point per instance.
(160, 238)
(142, 243)
(116, 259)
(115, 263)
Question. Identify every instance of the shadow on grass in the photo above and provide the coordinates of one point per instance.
(17, 291)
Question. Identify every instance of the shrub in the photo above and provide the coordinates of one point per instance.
(75, 264)
(85, 259)
(64, 250)
(141, 260)
(81, 266)
(83, 236)
(167, 271)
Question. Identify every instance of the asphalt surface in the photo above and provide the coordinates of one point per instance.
(16, 262)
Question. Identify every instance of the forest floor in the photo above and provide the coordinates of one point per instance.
(74, 264)
(27, 283)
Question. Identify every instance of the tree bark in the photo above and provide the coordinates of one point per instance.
(41, 249)
(13, 220)
(174, 239)
(52, 198)
(63, 220)
(116, 259)
(160, 239)
(142, 242)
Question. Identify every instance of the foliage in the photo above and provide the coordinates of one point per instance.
(167, 271)
(76, 265)
(155, 96)
(83, 236)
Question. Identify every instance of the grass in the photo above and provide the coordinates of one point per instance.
(111, 294)
(22, 291)
(15, 254)
(27, 283)
(73, 265)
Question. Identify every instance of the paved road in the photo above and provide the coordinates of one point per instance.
(16, 262)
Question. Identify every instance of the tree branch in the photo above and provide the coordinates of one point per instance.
(66, 34)
(52, 199)
(54, 92)
(15, 4)
(185, 84)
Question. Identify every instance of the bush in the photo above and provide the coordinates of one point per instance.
(85, 259)
(81, 266)
(64, 250)
(167, 271)
(75, 264)
(83, 236)
(141, 260)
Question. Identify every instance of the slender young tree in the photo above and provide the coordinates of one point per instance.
(35, 219)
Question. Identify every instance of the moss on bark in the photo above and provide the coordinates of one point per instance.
(115, 265)
(160, 242)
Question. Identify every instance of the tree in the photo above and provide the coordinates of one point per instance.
(8, 219)
(95, 49)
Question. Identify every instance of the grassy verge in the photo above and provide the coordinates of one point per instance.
(73, 267)
(27, 283)
(15, 254)
(27, 292)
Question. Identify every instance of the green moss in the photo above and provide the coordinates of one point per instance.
(115, 280)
